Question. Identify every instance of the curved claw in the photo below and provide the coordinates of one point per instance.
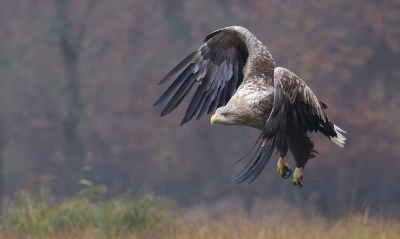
(300, 185)
(287, 172)
(297, 178)
(283, 169)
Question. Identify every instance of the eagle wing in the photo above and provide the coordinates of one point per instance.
(304, 105)
(291, 96)
(216, 67)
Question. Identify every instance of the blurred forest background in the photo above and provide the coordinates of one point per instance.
(78, 80)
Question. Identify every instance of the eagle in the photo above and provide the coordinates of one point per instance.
(237, 79)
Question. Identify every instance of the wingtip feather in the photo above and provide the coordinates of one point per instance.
(157, 103)
(339, 140)
(339, 129)
(185, 120)
(336, 141)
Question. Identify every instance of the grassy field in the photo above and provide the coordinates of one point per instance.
(151, 217)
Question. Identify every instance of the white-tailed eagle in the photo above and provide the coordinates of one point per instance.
(236, 77)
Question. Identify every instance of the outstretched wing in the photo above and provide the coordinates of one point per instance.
(291, 96)
(305, 106)
(216, 67)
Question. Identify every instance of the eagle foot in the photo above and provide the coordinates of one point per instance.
(283, 169)
(297, 177)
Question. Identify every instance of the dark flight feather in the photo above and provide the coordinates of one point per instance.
(198, 97)
(181, 93)
(221, 75)
(181, 78)
(181, 66)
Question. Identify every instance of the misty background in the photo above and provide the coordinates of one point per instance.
(78, 80)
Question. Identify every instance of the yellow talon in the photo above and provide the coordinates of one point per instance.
(297, 177)
(283, 168)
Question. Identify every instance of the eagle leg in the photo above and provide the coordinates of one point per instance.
(297, 177)
(283, 169)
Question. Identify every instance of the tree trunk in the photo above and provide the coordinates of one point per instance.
(70, 47)
(75, 151)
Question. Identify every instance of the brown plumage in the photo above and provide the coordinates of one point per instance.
(237, 78)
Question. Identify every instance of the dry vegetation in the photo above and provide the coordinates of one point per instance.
(151, 217)
(350, 227)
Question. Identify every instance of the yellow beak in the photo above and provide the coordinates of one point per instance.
(216, 118)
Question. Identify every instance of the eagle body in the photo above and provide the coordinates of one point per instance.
(236, 78)
(251, 104)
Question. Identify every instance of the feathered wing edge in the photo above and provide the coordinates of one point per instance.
(339, 140)
(271, 138)
(309, 110)
(215, 68)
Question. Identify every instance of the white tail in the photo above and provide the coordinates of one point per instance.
(339, 139)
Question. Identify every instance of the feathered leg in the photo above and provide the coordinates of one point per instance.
(302, 149)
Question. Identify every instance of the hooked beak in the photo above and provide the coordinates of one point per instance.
(217, 118)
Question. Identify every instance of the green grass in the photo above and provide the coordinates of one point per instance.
(152, 217)
(113, 217)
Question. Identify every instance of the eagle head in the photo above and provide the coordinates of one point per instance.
(225, 116)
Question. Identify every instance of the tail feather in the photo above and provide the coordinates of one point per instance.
(339, 139)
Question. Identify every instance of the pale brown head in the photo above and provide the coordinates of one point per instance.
(226, 116)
